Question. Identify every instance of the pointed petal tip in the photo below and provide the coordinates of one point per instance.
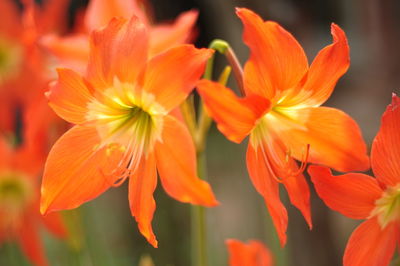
(395, 99)
(148, 234)
(282, 240)
(153, 241)
(212, 203)
(44, 208)
(242, 10)
(338, 33)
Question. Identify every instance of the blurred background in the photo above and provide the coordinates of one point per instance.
(103, 231)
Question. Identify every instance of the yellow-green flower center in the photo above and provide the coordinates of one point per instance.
(16, 193)
(388, 206)
(10, 59)
(132, 119)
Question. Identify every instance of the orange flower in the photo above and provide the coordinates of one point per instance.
(281, 112)
(252, 254)
(23, 67)
(360, 196)
(19, 202)
(73, 50)
(124, 128)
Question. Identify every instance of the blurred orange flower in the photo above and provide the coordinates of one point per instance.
(24, 71)
(360, 196)
(19, 202)
(254, 253)
(124, 127)
(73, 50)
(281, 112)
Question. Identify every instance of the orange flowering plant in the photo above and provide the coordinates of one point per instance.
(377, 200)
(125, 84)
(254, 253)
(125, 126)
(282, 115)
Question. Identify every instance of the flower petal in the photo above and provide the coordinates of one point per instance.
(269, 189)
(119, 50)
(254, 253)
(141, 188)
(77, 170)
(385, 152)
(328, 66)
(69, 96)
(157, 78)
(370, 245)
(235, 116)
(10, 24)
(165, 36)
(353, 195)
(344, 151)
(71, 51)
(100, 12)
(31, 244)
(176, 164)
(54, 224)
(275, 53)
(299, 194)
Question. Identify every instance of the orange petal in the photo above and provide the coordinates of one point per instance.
(165, 36)
(100, 12)
(54, 224)
(252, 254)
(118, 50)
(344, 151)
(235, 116)
(170, 92)
(31, 244)
(299, 195)
(385, 152)
(69, 96)
(328, 66)
(76, 169)
(353, 195)
(276, 54)
(54, 16)
(176, 164)
(10, 24)
(269, 189)
(141, 188)
(370, 245)
(71, 51)
(287, 170)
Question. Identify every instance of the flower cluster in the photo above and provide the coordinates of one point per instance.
(123, 91)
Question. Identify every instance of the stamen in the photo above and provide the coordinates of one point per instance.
(132, 121)
(279, 172)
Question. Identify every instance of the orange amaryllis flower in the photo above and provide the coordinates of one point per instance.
(19, 203)
(281, 112)
(23, 67)
(360, 196)
(254, 253)
(73, 50)
(124, 128)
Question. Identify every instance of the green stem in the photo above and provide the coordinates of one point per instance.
(199, 131)
(198, 223)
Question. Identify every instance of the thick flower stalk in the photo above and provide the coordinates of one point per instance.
(377, 200)
(125, 127)
(282, 115)
(252, 253)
